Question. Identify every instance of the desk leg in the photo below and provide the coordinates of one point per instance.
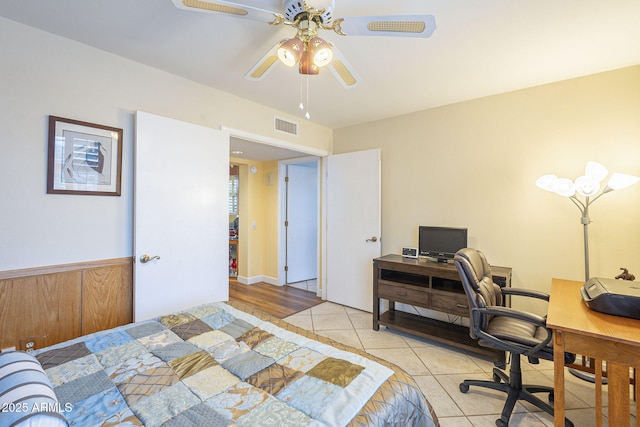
(376, 313)
(598, 383)
(619, 407)
(636, 392)
(558, 379)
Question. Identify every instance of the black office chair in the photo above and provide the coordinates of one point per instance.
(503, 328)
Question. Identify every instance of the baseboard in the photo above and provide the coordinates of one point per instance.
(256, 279)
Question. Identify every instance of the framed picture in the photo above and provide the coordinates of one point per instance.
(84, 158)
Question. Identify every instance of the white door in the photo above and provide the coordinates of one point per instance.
(181, 215)
(302, 222)
(353, 227)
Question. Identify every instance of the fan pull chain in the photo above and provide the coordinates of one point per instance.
(301, 105)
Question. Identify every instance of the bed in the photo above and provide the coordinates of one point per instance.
(218, 364)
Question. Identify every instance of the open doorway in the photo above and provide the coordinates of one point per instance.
(261, 257)
(299, 234)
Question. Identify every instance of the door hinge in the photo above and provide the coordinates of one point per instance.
(286, 223)
(286, 179)
(286, 268)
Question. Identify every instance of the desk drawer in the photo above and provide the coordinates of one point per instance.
(400, 294)
(453, 304)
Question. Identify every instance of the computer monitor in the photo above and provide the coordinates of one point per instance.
(441, 243)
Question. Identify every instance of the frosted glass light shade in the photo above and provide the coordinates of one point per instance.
(307, 66)
(587, 186)
(565, 187)
(547, 182)
(621, 180)
(596, 171)
(320, 51)
(290, 51)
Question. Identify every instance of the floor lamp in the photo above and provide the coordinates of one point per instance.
(588, 187)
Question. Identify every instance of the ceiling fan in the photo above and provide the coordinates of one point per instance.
(306, 50)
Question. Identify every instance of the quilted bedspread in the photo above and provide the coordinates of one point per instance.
(224, 364)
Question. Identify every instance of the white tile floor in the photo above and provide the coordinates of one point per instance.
(439, 369)
(307, 285)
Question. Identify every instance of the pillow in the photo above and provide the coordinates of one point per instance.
(26, 395)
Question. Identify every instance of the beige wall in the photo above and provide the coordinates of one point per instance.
(474, 164)
(270, 186)
(258, 204)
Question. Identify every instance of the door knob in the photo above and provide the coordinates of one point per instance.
(373, 239)
(146, 258)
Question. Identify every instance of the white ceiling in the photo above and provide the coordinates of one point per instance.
(263, 152)
(480, 48)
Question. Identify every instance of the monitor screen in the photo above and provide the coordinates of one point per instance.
(441, 242)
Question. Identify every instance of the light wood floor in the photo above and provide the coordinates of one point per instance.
(278, 301)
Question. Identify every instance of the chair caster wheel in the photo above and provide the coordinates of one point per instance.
(496, 378)
(464, 388)
(551, 397)
(502, 423)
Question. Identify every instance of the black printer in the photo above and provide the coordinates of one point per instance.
(611, 296)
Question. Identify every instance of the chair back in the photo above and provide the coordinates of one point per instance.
(477, 281)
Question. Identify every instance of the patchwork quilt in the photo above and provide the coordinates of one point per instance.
(224, 364)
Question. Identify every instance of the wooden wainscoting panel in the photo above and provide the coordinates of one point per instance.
(107, 297)
(51, 304)
(42, 309)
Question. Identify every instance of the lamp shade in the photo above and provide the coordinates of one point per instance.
(290, 51)
(621, 180)
(547, 182)
(565, 187)
(596, 171)
(587, 186)
(320, 51)
(307, 66)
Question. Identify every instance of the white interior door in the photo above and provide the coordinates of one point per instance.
(181, 215)
(353, 226)
(302, 222)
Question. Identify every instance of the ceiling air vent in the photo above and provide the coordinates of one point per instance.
(285, 126)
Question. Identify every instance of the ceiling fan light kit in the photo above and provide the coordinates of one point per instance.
(306, 49)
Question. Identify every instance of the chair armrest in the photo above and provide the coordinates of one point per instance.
(498, 310)
(531, 293)
(478, 313)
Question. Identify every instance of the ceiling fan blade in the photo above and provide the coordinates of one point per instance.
(392, 25)
(342, 70)
(228, 8)
(265, 64)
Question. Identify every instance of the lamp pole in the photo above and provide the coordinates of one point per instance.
(585, 221)
(585, 225)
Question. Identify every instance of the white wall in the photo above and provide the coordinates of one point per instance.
(41, 75)
(474, 164)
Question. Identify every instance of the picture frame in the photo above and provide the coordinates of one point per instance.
(83, 158)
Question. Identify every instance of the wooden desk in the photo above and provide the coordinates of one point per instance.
(430, 285)
(614, 339)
